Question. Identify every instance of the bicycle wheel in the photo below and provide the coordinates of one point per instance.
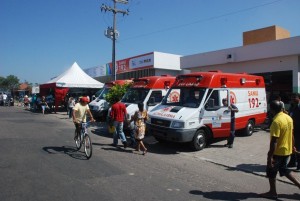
(77, 141)
(88, 149)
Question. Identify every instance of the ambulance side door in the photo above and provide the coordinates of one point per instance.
(215, 115)
(154, 99)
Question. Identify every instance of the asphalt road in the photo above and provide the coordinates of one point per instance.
(39, 162)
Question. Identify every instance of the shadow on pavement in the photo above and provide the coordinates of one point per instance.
(252, 167)
(70, 151)
(295, 196)
(223, 195)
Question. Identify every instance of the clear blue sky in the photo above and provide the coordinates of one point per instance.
(40, 39)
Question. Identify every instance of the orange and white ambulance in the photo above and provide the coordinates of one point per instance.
(192, 110)
(100, 106)
(148, 90)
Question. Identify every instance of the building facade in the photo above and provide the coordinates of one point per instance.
(150, 64)
(269, 52)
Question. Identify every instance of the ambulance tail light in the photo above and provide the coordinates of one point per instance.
(167, 84)
(223, 81)
(257, 81)
(243, 80)
(199, 78)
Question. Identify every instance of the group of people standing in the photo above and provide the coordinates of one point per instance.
(118, 114)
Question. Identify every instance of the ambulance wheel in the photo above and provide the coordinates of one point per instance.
(248, 131)
(199, 140)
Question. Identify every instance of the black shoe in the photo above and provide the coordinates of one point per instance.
(125, 145)
(230, 146)
(226, 145)
(113, 145)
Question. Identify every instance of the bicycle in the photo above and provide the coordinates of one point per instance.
(84, 139)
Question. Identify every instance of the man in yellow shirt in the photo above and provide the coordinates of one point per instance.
(281, 147)
(80, 112)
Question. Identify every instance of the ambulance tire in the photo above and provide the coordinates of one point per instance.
(199, 140)
(248, 130)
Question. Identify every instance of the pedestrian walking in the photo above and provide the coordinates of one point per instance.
(233, 109)
(295, 114)
(44, 104)
(117, 114)
(281, 147)
(71, 104)
(139, 119)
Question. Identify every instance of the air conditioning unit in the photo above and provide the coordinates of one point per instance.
(230, 58)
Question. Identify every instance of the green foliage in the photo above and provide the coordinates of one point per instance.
(116, 93)
(10, 82)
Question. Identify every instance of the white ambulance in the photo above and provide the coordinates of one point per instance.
(99, 106)
(148, 90)
(192, 110)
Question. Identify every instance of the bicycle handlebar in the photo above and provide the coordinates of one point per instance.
(87, 123)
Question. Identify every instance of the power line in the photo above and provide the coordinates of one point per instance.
(200, 21)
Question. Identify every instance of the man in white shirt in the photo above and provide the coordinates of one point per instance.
(4, 98)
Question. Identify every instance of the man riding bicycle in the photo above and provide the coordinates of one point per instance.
(79, 113)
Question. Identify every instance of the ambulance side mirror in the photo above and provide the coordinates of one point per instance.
(210, 103)
(151, 101)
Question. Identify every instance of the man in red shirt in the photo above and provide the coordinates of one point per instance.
(118, 113)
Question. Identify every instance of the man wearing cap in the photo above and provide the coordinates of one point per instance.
(79, 113)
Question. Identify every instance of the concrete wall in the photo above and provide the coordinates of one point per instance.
(166, 61)
(265, 34)
(279, 48)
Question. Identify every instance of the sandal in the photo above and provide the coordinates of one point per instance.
(268, 195)
(144, 152)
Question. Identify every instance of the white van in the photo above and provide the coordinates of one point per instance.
(203, 117)
(148, 90)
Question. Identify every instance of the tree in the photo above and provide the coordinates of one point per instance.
(115, 92)
(2, 79)
(9, 83)
(12, 82)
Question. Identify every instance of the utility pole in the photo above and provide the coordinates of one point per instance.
(112, 32)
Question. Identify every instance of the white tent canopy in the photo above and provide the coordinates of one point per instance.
(75, 77)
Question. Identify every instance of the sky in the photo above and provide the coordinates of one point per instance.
(40, 39)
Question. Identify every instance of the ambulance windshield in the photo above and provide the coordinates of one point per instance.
(135, 95)
(185, 97)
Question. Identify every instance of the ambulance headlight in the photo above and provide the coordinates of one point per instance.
(177, 124)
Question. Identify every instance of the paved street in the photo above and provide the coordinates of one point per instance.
(39, 162)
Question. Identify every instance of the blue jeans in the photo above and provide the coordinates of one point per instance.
(132, 137)
(70, 112)
(119, 133)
